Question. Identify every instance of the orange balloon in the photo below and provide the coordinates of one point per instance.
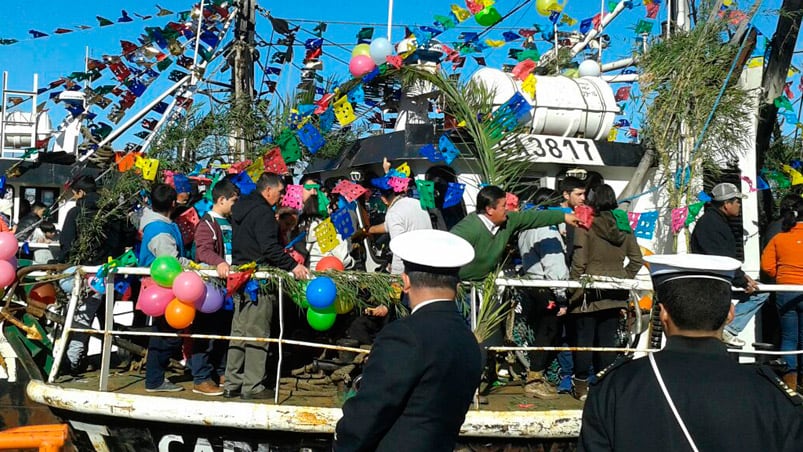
(645, 302)
(329, 263)
(43, 293)
(179, 315)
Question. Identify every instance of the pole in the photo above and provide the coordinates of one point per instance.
(242, 73)
(390, 19)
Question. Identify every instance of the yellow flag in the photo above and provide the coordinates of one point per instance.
(149, 168)
(256, 169)
(612, 134)
(568, 20)
(326, 235)
(528, 85)
(486, 3)
(460, 13)
(404, 168)
(755, 62)
(343, 111)
(495, 42)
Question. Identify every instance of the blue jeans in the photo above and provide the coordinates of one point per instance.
(745, 309)
(790, 308)
(160, 350)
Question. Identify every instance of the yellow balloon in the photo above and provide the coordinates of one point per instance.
(343, 307)
(361, 49)
(545, 7)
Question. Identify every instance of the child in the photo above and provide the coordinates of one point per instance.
(160, 237)
(44, 234)
(213, 247)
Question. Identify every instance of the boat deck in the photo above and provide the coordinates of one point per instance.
(506, 412)
(502, 398)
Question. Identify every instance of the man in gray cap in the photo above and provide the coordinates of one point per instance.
(713, 236)
(423, 370)
(691, 395)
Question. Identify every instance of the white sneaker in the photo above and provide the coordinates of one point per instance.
(731, 339)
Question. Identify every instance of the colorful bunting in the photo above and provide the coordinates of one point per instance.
(646, 225)
(349, 190)
(293, 197)
(343, 223)
(679, 216)
(454, 194)
(326, 236)
(426, 193)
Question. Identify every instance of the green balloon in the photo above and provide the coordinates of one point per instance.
(321, 320)
(164, 270)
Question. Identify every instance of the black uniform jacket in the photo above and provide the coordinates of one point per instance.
(726, 406)
(417, 385)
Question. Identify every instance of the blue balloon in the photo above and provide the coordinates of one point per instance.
(380, 49)
(321, 292)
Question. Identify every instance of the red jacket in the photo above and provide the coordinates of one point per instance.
(209, 241)
(782, 259)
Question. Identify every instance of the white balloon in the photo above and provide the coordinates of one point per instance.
(381, 48)
(589, 68)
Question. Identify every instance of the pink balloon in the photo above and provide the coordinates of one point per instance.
(213, 300)
(7, 273)
(153, 300)
(8, 245)
(361, 65)
(189, 287)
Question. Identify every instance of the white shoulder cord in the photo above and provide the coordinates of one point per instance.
(671, 403)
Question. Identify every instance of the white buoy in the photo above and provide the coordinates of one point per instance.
(589, 68)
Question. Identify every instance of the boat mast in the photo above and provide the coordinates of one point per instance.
(242, 78)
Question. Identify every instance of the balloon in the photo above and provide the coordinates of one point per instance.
(43, 293)
(7, 273)
(380, 49)
(545, 7)
(13, 261)
(361, 65)
(153, 300)
(8, 245)
(329, 263)
(321, 292)
(179, 315)
(361, 49)
(189, 287)
(589, 68)
(488, 16)
(212, 301)
(343, 307)
(164, 270)
(321, 320)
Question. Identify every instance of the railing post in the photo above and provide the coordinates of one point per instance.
(108, 326)
(473, 307)
(63, 343)
(281, 336)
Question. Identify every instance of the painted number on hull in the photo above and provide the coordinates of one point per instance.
(546, 149)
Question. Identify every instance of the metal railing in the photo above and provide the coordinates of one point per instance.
(108, 332)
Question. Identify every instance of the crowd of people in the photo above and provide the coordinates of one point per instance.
(541, 238)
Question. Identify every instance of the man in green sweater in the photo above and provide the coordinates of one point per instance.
(491, 227)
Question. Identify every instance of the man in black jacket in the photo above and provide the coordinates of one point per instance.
(424, 369)
(255, 238)
(28, 223)
(713, 236)
(692, 394)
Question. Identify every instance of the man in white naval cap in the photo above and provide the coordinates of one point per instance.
(692, 395)
(423, 370)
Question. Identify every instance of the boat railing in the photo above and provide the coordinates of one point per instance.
(108, 332)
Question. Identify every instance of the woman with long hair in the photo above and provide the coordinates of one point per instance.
(782, 259)
(311, 217)
(600, 250)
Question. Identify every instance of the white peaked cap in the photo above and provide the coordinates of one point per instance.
(669, 267)
(432, 248)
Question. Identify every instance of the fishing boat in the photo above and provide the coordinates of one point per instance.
(108, 408)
